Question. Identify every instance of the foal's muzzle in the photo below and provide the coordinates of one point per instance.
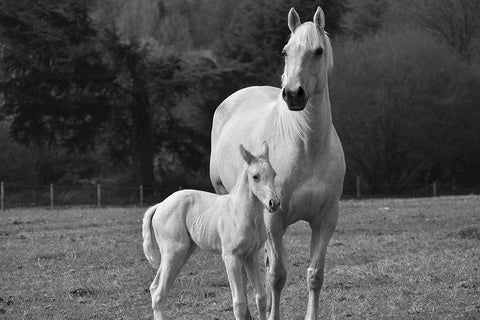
(273, 204)
(296, 99)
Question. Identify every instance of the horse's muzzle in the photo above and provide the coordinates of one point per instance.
(296, 99)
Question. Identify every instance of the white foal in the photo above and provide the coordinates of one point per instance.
(229, 224)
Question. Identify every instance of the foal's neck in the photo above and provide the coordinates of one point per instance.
(247, 206)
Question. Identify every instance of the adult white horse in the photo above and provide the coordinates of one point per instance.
(305, 151)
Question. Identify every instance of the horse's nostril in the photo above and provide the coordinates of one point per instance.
(301, 92)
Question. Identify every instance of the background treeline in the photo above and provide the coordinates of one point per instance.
(123, 91)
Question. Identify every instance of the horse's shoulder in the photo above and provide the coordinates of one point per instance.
(249, 98)
(243, 98)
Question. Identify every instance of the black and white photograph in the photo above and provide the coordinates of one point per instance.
(239, 159)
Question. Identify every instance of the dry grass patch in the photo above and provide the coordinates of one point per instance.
(388, 259)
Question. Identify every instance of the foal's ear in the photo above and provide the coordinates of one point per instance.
(319, 19)
(246, 155)
(265, 149)
(293, 20)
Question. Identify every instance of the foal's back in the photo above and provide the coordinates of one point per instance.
(190, 216)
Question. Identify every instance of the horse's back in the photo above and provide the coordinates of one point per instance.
(247, 99)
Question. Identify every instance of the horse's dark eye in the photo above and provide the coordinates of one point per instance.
(284, 53)
(256, 177)
(319, 52)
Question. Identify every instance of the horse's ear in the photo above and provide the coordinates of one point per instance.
(293, 20)
(246, 155)
(319, 19)
(265, 149)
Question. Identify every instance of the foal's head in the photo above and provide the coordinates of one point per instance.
(261, 176)
(308, 57)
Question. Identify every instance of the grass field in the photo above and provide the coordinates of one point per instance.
(388, 259)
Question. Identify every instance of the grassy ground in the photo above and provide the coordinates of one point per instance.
(388, 259)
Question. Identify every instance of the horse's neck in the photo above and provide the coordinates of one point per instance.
(310, 127)
(247, 206)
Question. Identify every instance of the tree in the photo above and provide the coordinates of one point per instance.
(399, 101)
(67, 81)
(457, 22)
(365, 17)
(56, 77)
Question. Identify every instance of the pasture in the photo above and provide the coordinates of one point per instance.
(388, 259)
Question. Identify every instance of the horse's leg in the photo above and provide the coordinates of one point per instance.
(170, 266)
(276, 274)
(234, 273)
(321, 233)
(255, 276)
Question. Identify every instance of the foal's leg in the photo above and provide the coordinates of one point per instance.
(255, 276)
(276, 272)
(321, 233)
(248, 316)
(234, 273)
(170, 266)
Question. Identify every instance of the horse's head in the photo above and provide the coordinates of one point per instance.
(308, 57)
(261, 176)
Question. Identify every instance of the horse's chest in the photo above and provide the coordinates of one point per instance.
(304, 201)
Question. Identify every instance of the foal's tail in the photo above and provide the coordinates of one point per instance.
(150, 246)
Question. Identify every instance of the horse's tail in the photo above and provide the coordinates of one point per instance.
(150, 246)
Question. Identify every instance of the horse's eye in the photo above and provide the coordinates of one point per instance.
(284, 53)
(319, 52)
(256, 177)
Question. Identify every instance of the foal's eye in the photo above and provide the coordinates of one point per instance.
(256, 177)
(319, 52)
(284, 53)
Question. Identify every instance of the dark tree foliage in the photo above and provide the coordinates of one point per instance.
(411, 118)
(254, 39)
(365, 17)
(454, 21)
(56, 78)
(77, 85)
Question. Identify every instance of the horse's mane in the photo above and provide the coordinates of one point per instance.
(292, 125)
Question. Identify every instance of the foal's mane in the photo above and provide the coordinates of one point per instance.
(242, 177)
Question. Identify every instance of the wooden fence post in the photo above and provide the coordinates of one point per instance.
(2, 197)
(141, 195)
(434, 188)
(99, 195)
(358, 187)
(51, 196)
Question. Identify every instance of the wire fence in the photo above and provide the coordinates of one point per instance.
(97, 195)
(54, 195)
